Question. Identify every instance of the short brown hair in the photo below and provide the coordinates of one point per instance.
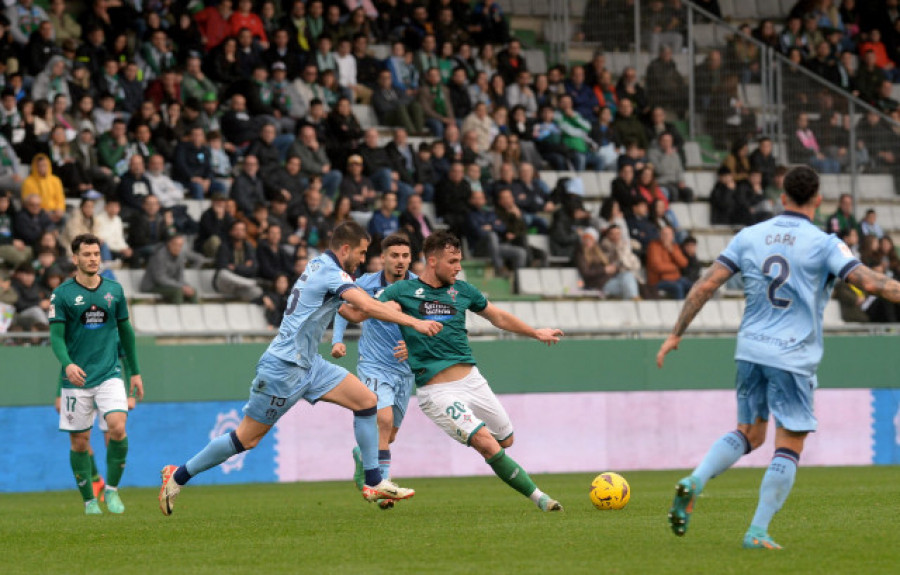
(439, 241)
(348, 233)
(395, 239)
(84, 239)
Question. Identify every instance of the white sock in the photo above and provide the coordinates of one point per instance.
(536, 496)
(111, 488)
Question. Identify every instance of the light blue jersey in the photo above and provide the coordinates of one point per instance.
(312, 304)
(379, 338)
(789, 267)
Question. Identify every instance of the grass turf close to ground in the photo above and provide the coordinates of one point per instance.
(837, 520)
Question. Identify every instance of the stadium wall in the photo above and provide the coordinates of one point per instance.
(584, 406)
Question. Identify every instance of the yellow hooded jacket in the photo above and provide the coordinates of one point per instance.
(49, 188)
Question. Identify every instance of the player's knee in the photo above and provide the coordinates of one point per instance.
(80, 442)
(507, 442)
(755, 437)
(484, 443)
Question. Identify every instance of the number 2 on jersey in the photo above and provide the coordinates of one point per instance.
(784, 272)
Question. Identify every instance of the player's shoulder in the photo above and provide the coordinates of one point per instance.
(67, 287)
(370, 279)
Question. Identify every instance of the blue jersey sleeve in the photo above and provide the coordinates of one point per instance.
(731, 255)
(337, 281)
(840, 261)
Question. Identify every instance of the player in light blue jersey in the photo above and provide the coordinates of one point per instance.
(382, 364)
(789, 267)
(292, 369)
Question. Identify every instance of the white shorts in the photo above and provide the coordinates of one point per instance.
(77, 405)
(463, 407)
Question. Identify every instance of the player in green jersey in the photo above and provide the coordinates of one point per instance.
(88, 319)
(97, 482)
(450, 389)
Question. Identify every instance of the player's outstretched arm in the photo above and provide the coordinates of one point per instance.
(716, 275)
(126, 336)
(387, 312)
(870, 281)
(508, 322)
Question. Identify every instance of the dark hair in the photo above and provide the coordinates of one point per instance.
(689, 240)
(84, 239)
(348, 233)
(801, 184)
(394, 240)
(440, 241)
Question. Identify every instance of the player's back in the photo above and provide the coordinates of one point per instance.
(313, 301)
(788, 266)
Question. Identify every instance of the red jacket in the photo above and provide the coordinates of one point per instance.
(212, 26)
(663, 265)
(250, 21)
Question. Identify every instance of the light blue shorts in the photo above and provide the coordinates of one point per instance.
(273, 375)
(788, 396)
(392, 389)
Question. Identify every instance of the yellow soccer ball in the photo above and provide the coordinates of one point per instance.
(610, 491)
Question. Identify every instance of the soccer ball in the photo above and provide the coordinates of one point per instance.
(610, 491)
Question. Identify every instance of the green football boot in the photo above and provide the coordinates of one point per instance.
(113, 502)
(686, 492)
(359, 475)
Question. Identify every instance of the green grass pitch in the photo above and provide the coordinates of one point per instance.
(837, 520)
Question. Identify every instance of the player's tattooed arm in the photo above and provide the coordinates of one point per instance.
(870, 281)
(702, 290)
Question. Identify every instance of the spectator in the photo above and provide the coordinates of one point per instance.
(265, 149)
(584, 101)
(869, 225)
(40, 48)
(458, 86)
(286, 182)
(599, 272)
(624, 189)
(660, 27)
(665, 85)
(842, 219)
(84, 152)
(763, 160)
(869, 77)
(693, 268)
(629, 88)
(738, 161)
(134, 186)
(627, 127)
(511, 62)
(485, 230)
(451, 200)
(64, 25)
(482, 124)
(641, 228)
(237, 266)
(13, 249)
(357, 187)
(395, 107)
(344, 132)
(148, 229)
(665, 260)
(169, 193)
(12, 173)
(575, 129)
(213, 22)
(275, 301)
(516, 229)
(669, 170)
(314, 161)
(111, 231)
(83, 222)
(112, 148)
(434, 98)
(48, 187)
(488, 23)
(569, 214)
(876, 47)
(32, 303)
(417, 225)
(384, 222)
(547, 136)
(248, 189)
(708, 79)
(804, 147)
(52, 81)
(214, 225)
(273, 259)
(165, 272)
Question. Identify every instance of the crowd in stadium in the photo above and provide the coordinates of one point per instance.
(133, 107)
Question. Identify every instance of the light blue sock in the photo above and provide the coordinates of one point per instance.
(723, 454)
(384, 462)
(365, 428)
(776, 486)
(215, 452)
